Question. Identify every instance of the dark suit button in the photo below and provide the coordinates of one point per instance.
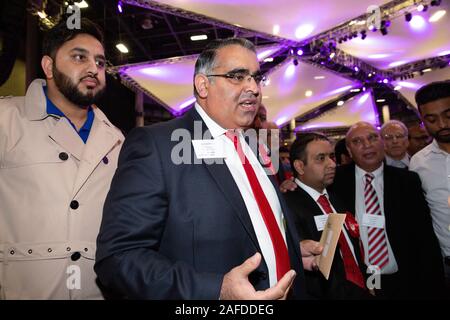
(74, 204)
(105, 160)
(63, 156)
(75, 256)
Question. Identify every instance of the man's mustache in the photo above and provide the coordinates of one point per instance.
(93, 77)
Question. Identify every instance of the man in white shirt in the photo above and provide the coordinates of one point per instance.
(395, 137)
(433, 162)
(393, 216)
(179, 226)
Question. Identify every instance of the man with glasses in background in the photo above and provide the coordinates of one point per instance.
(395, 137)
(202, 229)
(394, 219)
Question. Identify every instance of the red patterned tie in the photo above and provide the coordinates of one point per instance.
(352, 271)
(378, 250)
(279, 246)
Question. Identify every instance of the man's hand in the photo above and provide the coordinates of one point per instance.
(235, 285)
(310, 249)
(288, 185)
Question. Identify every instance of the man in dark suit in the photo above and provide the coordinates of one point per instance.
(312, 157)
(179, 226)
(393, 216)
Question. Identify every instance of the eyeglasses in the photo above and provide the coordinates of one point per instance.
(238, 77)
(358, 141)
(390, 137)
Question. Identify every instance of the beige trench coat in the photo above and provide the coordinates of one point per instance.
(52, 189)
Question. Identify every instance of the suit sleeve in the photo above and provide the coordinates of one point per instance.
(134, 216)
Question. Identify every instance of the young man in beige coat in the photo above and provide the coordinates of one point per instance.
(58, 153)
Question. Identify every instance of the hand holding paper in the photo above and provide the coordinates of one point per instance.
(329, 240)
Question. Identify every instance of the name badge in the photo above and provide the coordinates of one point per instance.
(373, 221)
(209, 149)
(321, 221)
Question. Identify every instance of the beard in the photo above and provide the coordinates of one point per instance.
(71, 92)
(442, 136)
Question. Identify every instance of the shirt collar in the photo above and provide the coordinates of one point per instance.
(378, 173)
(434, 148)
(404, 160)
(214, 128)
(312, 192)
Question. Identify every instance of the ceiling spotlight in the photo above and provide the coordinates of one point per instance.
(408, 16)
(199, 37)
(422, 8)
(435, 3)
(299, 52)
(119, 6)
(332, 55)
(122, 48)
(340, 103)
(356, 69)
(363, 34)
(385, 80)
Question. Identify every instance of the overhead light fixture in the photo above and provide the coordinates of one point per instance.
(299, 52)
(422, 7)
(385, 80)
(119, 6)
(199, 37)
(427, 70)
(355, 90)
(42, 14)
(356, 69)
(363, 34)
(408, 16)
(319, 77)
(276, 29)
(308, 93)
(332, 55)
(82, 5)
(269, 59)
(381, 100)
(340, 103)
(435, 3)
(122, 48)
(437, 15)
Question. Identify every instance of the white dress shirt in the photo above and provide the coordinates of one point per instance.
(315, 195)
(237, 171)
(402, 163)
(432, 164)
(360, 208)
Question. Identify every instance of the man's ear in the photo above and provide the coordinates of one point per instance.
(201, 83)
(47, 66)
(299, 167)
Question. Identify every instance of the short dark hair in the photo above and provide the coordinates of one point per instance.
(298, 148)
(206, 60)
(340, 149)
(60, 34)
(432, 92)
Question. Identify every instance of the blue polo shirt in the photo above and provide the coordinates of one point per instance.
(84, 130)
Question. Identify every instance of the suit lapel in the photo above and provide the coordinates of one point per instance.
(102, 139)
(225, 182)
(65, 136)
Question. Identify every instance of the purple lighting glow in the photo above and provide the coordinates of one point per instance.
(299, 52)
(119, 6)
(417, 23)
(186, 104)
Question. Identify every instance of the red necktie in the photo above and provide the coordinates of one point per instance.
(352, 271)
(377, 243)
(279, 246)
